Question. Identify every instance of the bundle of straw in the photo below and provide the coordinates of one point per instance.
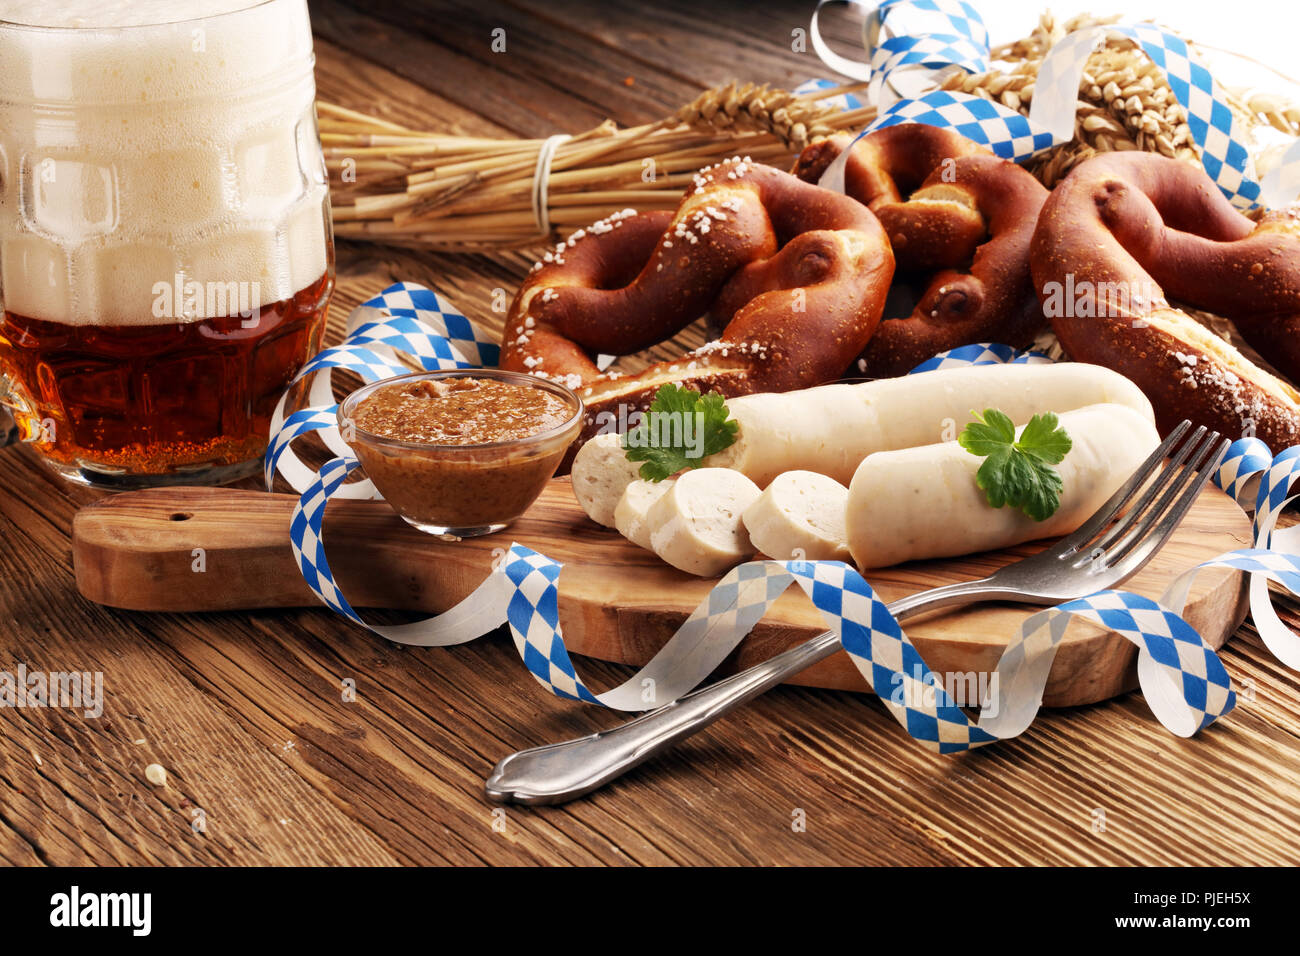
(459, 193)
(402, 186)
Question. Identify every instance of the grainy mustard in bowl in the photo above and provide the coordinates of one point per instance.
(461, 453)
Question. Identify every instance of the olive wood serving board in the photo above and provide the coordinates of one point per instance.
(617, 602)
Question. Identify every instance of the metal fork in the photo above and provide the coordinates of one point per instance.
(1106, 550)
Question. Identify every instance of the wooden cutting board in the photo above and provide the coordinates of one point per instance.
(617, 602)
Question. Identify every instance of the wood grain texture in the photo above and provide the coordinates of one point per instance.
(246, 711)
(618, 602)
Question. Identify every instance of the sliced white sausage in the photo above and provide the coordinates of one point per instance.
(832, 428)
(800, 514)
(696, 525)
(600, 474)
(630, 513)
(923, 502)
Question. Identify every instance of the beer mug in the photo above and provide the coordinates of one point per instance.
(166, 259)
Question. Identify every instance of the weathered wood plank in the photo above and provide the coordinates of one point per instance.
(368, 87)
(707, 45)
(86, 775)
(457, 73)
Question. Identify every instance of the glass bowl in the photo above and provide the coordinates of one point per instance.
(461, 490)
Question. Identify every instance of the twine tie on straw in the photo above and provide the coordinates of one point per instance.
(541, 180)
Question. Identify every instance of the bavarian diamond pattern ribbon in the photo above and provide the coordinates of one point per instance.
(1177, 670)
(1263, 484)
(1180, 674)
(981, 353)
(841, 101)
(1006, 132)
(473, 617)
(942, 36)
(735, 604)
(405, 328)
(947, 35)
(1181, 677)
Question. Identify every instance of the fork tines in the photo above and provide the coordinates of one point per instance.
(1128, 530)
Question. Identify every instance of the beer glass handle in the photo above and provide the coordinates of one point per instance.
(10, 433)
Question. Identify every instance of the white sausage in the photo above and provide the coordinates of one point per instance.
(832, 428)
(800, 511)
(630, 513)
(600, 473)
(696, 525)
(923, 502)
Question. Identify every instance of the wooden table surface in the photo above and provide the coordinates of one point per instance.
(246, 711)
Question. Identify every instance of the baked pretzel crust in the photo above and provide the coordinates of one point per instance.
(1128, 231)
(800, 272)
(956, 214)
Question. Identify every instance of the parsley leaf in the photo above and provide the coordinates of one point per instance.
(680, 430)
(1044, 439)
(1018, 472)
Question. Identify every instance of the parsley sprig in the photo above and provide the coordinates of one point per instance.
(681, 429)
(1018, 472)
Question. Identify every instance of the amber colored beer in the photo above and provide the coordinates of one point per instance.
(149, 148)
(158, 398)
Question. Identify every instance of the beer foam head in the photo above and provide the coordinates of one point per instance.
(184, 151)
(113, 13)
(127, 52)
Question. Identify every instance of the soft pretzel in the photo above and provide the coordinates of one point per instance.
(1124, 232)
(948, 205)
(802, 272)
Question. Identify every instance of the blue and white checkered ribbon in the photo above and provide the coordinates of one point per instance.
(927, 37)
(981, 353)
(841, 101)
(405, 328)
(948, 35)
(1263, 484)
(1182, 678)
